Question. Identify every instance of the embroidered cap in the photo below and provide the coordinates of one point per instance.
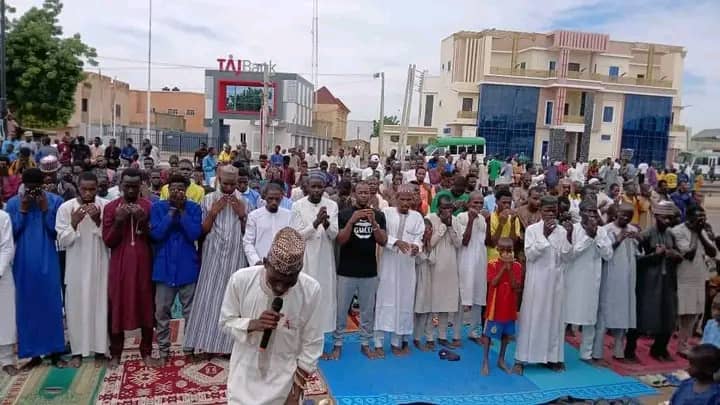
(49, 164)
(287, 252)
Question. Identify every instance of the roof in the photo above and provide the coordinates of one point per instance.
(713, 133)
(324, 96)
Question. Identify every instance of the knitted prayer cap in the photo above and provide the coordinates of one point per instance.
(287, 252)
(664, 208)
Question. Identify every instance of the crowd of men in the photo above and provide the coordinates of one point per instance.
(105, 239)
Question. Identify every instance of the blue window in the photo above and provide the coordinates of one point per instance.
(608, 114)
(551, 65)
(548, 112)
(646, 127)
(507, 119)
(614, 71)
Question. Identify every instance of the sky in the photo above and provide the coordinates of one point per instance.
(360, 37)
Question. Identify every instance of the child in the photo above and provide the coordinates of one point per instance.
(711, 333)
(504, 276)
(704, 361)
(423, 293)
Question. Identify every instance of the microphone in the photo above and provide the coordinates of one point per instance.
(276, 306)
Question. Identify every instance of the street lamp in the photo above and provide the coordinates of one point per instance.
(381, 123)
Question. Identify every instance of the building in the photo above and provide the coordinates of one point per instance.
(559, 95)
(330, 116)
(177, 110)
(707, 139)
(416, 136)
(357, 129)
(99, 99)
(233, 102)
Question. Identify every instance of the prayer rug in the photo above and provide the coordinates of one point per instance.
(646, 365)
(10, 387)
(423, 377)
(50, 385)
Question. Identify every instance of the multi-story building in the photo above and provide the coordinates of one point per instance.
(180, 110)
(330, 117)
(233, 103)
(560, 95)
(99, 99)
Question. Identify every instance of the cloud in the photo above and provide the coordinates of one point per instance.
(375, 35)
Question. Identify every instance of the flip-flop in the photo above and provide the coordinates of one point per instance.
(448, 355)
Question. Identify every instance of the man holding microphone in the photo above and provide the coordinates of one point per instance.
(295, 334)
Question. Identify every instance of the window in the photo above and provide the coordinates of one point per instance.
(582, 104)
(467, 104)
(548, 112)
(672, 117)
(608, 113)
(243, 137)
(614, 71)
(605, 138)
(640, 76)
(427, 119)
(566, 109)
(551, 65)
(573, 67)
(84, 105)
(443, 67)
(446, 131)
(522, 65)
(190, 113)
(118, 110)
(448, 66)
(245, 98)
(172, 111)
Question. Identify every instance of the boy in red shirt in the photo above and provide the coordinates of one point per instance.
(504, 276)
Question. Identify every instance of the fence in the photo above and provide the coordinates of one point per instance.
(168, 141)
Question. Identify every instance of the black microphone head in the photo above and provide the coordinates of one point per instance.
(277, 304)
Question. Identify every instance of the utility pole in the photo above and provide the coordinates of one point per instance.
(114, 116)
(147, 112)
(421, 83)
(264, 113)
(407, 105)
(3, 83)
(381, 122)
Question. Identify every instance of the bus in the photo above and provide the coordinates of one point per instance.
(456, 145)
(703, 160)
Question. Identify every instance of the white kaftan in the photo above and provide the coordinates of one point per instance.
(583, 275)
(617, 290)
(319, 253)
(86, 279)
(266, 377)
(396, 286)
(541, 325)
(691, 275)
(472, 261)
(445, 285)
(424, 263)
(260, 230)
(8, 331)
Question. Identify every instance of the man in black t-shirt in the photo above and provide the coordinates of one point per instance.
(362, 229)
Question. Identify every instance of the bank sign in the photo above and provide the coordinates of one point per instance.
(231, 64)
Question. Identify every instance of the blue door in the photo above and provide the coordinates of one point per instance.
(614, 71)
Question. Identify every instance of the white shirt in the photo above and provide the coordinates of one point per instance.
(8, 332)
(260, 230)
(311, 160)
(266, 377)
(329, 159)
(643, 167)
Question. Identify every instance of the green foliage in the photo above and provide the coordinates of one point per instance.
(387, 120)
(43, 68)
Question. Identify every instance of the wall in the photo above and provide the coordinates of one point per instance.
(189, 105)
(100, 91)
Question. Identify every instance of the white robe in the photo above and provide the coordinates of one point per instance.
(541, 327)
(472, 261)
(86, 279)
(444, 243)
(8, 327)
(396, 287)
(260, 230)
(319, 253)
(618, 303)
(691, 275)
(266, 377)
(583, 275)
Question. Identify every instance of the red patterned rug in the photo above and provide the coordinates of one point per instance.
(646, 364)
(179, 382)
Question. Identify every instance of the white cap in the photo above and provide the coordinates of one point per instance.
(374, 158)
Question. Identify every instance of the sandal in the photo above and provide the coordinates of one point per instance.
(448, 355)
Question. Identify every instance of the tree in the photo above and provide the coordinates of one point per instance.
(388, 120)
(43, 68)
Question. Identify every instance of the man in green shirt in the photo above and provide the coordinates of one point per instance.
(494, 170)
(457, 195)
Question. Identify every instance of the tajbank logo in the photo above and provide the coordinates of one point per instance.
(231, 64)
